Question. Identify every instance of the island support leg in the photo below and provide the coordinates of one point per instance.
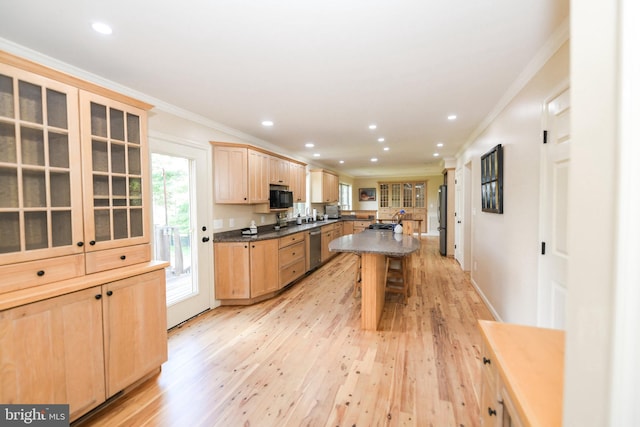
(373, 286)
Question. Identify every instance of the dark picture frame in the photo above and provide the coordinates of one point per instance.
(367, 194)
(491, 179)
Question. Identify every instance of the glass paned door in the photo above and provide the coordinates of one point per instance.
(40, 177)
(180, 234)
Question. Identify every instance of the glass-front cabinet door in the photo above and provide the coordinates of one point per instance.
(40, 183)
(115, 159)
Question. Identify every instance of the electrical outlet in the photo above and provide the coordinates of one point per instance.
(261, 219)
(232, 222)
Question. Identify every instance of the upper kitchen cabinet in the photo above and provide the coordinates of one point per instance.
(278, 171)
(410, 196)
(230, 174)
(243, 173)
(258, 176)
(73, 168)
(298, 181)
(40, 183)
(115, 160)
(324, 186)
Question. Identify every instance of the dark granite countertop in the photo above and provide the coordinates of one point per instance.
(384, 242)
(267, 232)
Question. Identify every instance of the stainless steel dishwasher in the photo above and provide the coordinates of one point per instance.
(315, 248)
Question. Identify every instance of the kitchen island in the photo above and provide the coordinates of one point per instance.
(373, 246)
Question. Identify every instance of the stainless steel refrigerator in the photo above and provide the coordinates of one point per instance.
(442, 218)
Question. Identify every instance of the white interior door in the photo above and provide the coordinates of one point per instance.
(554, 214)
(181, 236)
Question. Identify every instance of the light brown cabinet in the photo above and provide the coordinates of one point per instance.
(347, 228)
(361, 225)
(522, 375)
(230, 174)
(258, 168)
(278, 171)
(409, 196)
(298, 182)
(74, 227)
(292, 257)
(245, 270)
(324, 186)
(42, 171)
(328, 233)
(61, 350)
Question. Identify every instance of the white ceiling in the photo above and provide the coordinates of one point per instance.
(321, 70)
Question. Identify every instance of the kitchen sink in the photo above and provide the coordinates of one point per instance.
(382, 226)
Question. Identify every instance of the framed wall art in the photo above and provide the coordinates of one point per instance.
(367, 194)
(491, 175)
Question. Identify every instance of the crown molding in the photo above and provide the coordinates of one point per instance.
(553, 44)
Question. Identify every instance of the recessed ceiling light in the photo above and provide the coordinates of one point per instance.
(102, 28)
(436, 154)
(386, 148)
(374, 159)
(341, 161)
(439, 145)
(316, 154)
(309, 145)
(267, 123)
(372, 126)
(380, 139)
(452, 117)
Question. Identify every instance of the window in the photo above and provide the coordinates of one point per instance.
(345, 196)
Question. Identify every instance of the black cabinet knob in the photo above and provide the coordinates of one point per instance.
(98, 296)
(492, 412)
(123, 257)
(40, 273)
(109, 293)
(93, 242)
(80, 244)
(205, 239)
(486, 361)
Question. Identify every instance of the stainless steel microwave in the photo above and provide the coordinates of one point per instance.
(280, 199)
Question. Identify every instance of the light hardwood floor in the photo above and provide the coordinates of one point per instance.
(301, 358)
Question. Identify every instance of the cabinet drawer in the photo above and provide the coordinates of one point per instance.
(291, 272)
(115, 258)
(291, 253)
(35, 273)
(361, 224)
(489, 368)
(291, 239)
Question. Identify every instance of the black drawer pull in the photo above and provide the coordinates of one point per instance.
(109, 293)
(486, 361)
(40, 273)
(492, 412)
(80, 244)
(93, 242)
(123, 257)
(98, 296)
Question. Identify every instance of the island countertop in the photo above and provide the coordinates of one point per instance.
(383, 242)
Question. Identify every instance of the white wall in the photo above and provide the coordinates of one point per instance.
(505, 246)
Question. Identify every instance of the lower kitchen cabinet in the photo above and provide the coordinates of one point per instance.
(264, 267)
(135, 328)
(81, 348)
(292, 257)
(245, 270)
(522, 375)
(328, 234)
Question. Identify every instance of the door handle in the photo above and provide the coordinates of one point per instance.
(205, 239)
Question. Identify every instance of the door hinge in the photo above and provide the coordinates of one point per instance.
(544, 248)
(544, 136)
